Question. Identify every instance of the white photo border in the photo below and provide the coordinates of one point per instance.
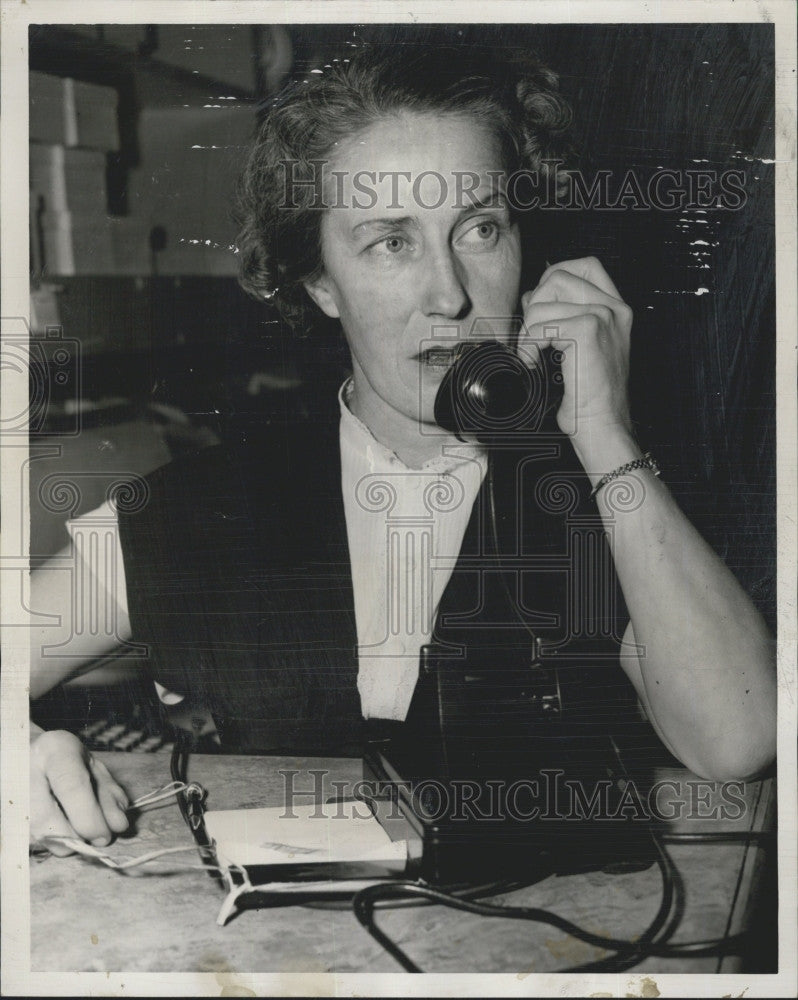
(17, 979)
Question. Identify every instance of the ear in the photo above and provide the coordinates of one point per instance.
(319, 289)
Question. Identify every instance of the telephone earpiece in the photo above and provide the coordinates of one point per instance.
(488, 391)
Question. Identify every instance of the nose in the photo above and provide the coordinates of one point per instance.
(445, 291)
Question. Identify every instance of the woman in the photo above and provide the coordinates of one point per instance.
(378, 195)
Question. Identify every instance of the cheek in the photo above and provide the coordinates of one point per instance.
(497, 276)
(376, 301)
(509, 265)
(373, 323)
(496, 286)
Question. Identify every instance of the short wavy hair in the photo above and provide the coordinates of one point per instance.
(280, 247)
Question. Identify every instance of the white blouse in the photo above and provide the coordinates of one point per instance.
(405, 528)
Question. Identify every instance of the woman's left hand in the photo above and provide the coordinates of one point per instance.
(576, 309)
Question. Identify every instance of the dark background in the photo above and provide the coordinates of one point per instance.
(171, 326)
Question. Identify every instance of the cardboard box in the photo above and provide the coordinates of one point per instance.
(67, 180)
(73, 246)
(46, 121)
(72, 113)
(94, 112)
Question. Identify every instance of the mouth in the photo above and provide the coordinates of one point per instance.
(436, 357)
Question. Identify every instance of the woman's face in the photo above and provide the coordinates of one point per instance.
(419, 252)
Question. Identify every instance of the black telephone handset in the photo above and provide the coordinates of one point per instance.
(489, 392)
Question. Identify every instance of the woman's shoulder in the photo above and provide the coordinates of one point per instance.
(235, 485)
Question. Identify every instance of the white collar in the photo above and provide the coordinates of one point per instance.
(356, 435)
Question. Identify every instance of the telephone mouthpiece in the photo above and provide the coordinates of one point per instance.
(486, 391)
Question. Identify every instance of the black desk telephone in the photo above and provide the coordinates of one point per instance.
(492, 776)
(475, 770)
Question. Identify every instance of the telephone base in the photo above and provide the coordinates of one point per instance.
(510, 818)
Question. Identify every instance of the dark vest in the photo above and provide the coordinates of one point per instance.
(238, 581)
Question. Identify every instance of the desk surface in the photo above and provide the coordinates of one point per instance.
(86, 917)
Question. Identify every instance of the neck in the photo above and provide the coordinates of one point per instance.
(414, 443)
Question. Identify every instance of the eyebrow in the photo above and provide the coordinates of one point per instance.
(493, 200)
(386, 223)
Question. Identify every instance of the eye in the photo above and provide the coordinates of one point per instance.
(393, 244)
(481, 236)
(390, 246)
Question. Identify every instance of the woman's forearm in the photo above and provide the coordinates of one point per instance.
(706, 658)
(51, 594)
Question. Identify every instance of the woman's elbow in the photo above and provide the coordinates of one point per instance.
(738, 759)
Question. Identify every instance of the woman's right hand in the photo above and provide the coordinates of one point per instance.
(72, 794)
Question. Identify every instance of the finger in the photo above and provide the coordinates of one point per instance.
(71, 783)
(562, 286)
(46, 818)
(550, 314)
(528, 351)
(589, 268)
(112, 798)
(564, 333)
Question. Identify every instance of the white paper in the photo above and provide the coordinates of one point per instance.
(304, 834)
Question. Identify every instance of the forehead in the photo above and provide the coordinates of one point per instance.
(408, 160)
